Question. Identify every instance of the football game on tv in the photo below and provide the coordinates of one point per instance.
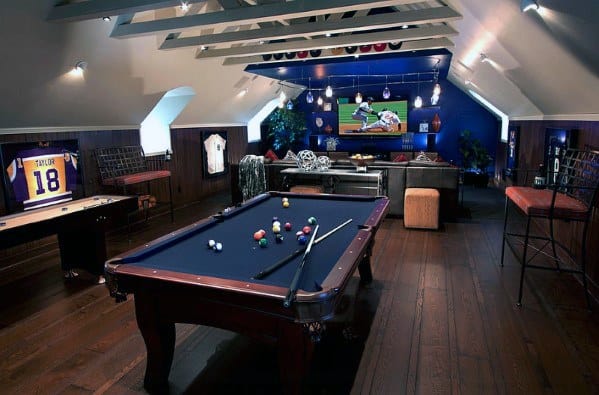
(388, 118)
(39, 174)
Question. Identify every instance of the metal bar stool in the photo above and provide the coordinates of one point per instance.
(570, 198)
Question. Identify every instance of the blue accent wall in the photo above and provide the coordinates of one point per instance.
(457, 112)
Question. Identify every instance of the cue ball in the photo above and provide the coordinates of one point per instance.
(218, 247)
(285, 200)
(211, 243)
(312, 221)
(302, 239)
(288, 226)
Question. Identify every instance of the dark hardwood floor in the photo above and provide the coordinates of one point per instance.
(440, 317)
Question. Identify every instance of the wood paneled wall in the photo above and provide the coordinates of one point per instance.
(531, 153)
(188, 182)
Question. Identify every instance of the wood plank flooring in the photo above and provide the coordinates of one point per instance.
(439, 318)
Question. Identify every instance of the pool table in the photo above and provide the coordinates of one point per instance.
(80, 225)
(179, 279)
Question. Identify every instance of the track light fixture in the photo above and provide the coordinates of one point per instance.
(526, 5)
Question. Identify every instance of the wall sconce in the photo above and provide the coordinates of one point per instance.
(526, 5)
(319, 101)
(79, 67)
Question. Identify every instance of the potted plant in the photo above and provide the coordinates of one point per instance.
(475, 159)
(286, 129)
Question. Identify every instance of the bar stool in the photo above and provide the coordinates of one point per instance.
(570, 199)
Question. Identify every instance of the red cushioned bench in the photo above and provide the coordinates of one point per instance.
(123, 166)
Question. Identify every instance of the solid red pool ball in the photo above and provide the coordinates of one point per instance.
(287, 225)
(257, 235)
(306, 230)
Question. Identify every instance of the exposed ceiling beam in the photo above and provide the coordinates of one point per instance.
(332, 42)
(248, 15)
(93, 9)
(407, 46)
(347, 25)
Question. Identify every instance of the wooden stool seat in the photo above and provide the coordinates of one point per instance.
(421, 208)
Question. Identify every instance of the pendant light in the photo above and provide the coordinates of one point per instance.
(418, 100)
(436, 94)
(329, 91)
(386, 91)
(319, 101)
(358, 94)
(309, 96)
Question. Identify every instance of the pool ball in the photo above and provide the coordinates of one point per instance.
(312, 221)
(279, 238)
(211, 243)
(287, 226)
(218, 247)
(285, 200)
(285, 204)
(263, 242)
(257, 235)
(307, 229)
(274, 219)
(302, 239)
(276, 229)
(299, 233)
(262, 232)
(276, 223)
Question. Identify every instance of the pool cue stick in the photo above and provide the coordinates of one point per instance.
(298, 273)
(296, 253)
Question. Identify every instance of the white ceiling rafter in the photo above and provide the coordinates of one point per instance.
(347, 25)
(251, 14)
(407, 46)
(93, 9)
(333, 42)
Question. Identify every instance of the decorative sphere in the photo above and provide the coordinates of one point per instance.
(306, 160)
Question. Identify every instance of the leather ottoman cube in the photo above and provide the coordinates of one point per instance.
(421, 208)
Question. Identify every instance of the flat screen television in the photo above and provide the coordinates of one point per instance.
(350, 127)
(39, 174)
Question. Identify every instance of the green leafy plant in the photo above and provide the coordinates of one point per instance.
(286, 128)
(474, 155)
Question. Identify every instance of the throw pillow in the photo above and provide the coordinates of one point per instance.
(270, 154)
(290, 156)
(400, 158)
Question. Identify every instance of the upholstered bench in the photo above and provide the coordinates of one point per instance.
(421, 208)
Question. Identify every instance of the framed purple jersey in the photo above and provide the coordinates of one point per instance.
(40, 174)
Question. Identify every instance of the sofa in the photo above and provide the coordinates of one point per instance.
(411, 173)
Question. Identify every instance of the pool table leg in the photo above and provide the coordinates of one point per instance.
(364, 268)
(295, 349)
(159, 337)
